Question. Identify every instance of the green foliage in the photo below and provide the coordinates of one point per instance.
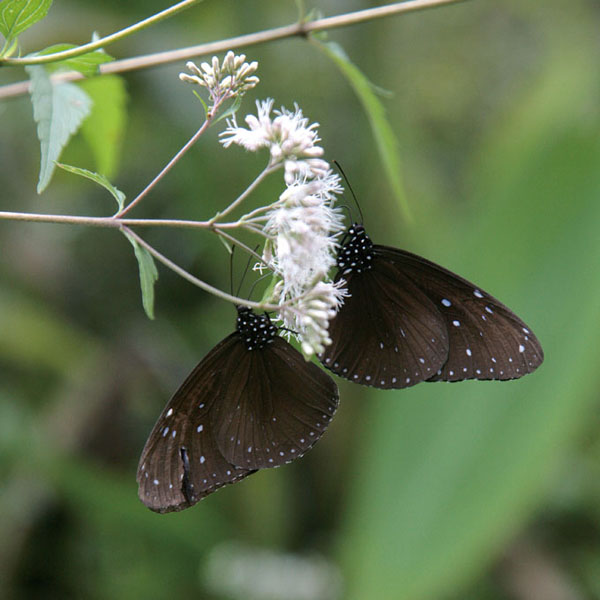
(117, 194)
(415, 494)
(18, 15)
(103, 129)
(148, 274)
(58, 110)
(87, 64)
(467, 469)
(385, 138)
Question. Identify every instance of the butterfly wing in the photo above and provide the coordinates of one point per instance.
(388, 333)
(487, 340)
(274, 409)
(181, 462)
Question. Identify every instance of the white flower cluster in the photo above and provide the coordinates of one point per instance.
(289, 137)
(233, 77)
(302, 226)
(311, 312)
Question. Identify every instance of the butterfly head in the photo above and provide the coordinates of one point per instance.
(356, 255)
(256, 330)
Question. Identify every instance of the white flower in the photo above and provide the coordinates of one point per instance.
(231, 78)
(309, 316)
(304, 226)
(291, 140)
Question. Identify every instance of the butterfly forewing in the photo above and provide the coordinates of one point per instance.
(275, 409)
(388, 334)
(487, 340)
(181, 462)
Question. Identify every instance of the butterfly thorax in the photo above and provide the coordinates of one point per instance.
(256, 330)
(357, 253)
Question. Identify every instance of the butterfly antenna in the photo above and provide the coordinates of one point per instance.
(254, 284)
(339, 168)
(246, 271)
(231, 270)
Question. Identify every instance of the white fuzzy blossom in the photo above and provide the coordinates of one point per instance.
(233, 77)
(302, 226)
(309, 315)
(288, 136)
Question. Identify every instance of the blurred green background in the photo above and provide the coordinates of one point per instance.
(474, 491)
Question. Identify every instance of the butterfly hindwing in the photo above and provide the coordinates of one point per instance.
(487, 340)
(275, 409)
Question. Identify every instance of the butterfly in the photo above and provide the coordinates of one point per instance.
(409, 320)
(253, 402)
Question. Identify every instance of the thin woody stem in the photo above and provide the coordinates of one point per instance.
(266, 171)
(102, 42)
(298, 29)
(167, 168)
(119, 221)
(192, 279)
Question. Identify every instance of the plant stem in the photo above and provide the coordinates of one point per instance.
(260, 37)
(119, 221)
(167, 167)
(266, 171)
(192, 279)
(102, 42)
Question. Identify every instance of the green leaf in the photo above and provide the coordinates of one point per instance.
(118, 195)
(387, 144)
(87, 64)
(103, 129)
(58, 110)
(204, 105)
(231, 109)
(9, 48)
(18, 15)
(148, 274)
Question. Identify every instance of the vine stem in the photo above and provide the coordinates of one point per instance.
(260, 37)
(166, 168)
(117, 222)
(266, 171)
(192, 279)
(105, 41)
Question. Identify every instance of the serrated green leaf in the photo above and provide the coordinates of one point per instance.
(103, 129)
(58, 110)
(148, 274)
(87, 64)
(387, 144)
(118, 195)
(18, 15)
